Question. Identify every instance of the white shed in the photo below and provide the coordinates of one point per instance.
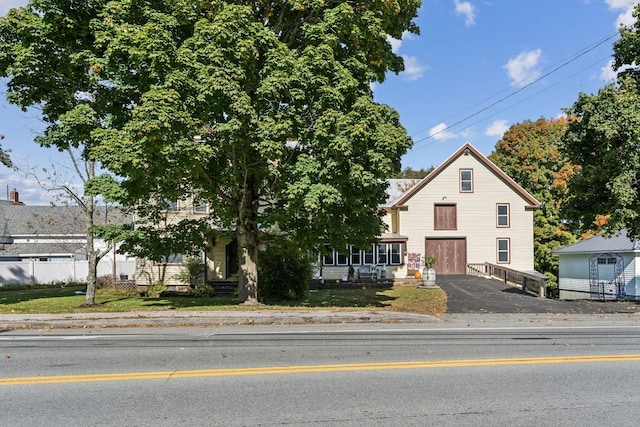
(600, 268)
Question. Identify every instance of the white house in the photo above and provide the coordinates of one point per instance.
(46, 244)
(465, 211)
(600, 268)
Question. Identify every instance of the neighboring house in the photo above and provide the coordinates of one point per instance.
(46, 244)
(600, 268)
(465, 211)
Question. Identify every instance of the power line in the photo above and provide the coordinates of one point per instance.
(554, 69)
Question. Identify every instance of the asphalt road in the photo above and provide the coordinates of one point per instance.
(470, 294)
(443, 374)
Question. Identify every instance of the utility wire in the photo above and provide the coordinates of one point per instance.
(504, 98)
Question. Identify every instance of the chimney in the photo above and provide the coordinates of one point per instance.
(14, 196)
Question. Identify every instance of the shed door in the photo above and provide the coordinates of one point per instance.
(451, 255)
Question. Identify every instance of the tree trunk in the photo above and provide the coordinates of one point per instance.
(92, 253)
(92, 256)
(248, 241)
(248, 272)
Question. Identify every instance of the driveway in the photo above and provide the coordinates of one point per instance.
(470, 294)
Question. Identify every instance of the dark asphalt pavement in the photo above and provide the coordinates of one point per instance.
(470, 294)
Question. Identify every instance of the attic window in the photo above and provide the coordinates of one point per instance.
(466, 180)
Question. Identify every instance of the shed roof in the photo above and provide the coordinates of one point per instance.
(602, 244)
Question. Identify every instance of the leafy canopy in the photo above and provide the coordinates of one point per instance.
(529, 152)
(604, 140)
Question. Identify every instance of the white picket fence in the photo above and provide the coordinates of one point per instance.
(46, 272)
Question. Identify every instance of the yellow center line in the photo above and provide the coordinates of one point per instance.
(271, 370)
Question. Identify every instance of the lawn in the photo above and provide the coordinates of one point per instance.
(66, 300)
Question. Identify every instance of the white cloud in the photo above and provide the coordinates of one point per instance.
(467, 10)
(497, 128)
(439, 132)
(625, 18)
(413, 69)
(5, 5)
(607, 74)
(523, 69)
(396, 44)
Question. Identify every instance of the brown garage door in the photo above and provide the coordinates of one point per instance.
(451, 255)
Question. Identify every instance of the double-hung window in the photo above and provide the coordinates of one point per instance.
(356, 256)
(396, 254)
(369, 255)
(466, 180)
(327, 256)
(502, 215)
(382, 253)
(342, 258)
(503, 249)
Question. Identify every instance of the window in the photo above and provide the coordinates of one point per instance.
(382, 253)
(355, 256)
(503, 251)
(170, 205)
(171, 259)
(369, 256)
(396, 253)
(200, 207)
(342, 258)
(466, 180)
(327, 256)
(502, 211)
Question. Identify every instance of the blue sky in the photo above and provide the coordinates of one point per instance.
(478, 67)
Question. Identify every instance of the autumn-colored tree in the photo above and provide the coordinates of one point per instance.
(529, 153)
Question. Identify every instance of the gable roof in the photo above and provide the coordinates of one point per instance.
(602, 244)
(397, 188)
(469, 149)
(43, 220)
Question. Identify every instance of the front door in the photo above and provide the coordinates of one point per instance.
(450, 253)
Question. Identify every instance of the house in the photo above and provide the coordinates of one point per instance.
(465, 211)
(46, 244)
(220, 259)
(600, 268)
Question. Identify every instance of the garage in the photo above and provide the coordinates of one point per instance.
(450, 253)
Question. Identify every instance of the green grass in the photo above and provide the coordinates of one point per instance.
(64, 300)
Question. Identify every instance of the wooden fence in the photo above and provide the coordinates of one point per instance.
(532, 282)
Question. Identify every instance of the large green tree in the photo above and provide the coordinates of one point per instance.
(604, 139)
(529, 153)
(47, 51)
(262, 109)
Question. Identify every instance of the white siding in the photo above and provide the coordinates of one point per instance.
(573, 277)
(476, 215)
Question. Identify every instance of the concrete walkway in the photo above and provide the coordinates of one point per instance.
(205, 318)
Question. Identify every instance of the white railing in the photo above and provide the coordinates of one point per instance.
(532, 282)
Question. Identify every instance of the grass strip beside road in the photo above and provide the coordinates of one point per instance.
(405, 298)
(273, 370)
